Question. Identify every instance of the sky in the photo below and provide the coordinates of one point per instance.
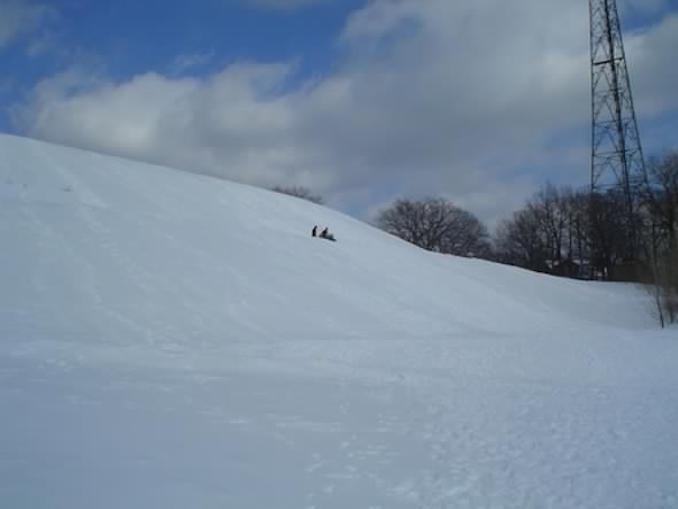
(362, 101)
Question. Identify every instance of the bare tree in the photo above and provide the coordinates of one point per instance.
(547, 233)
(300, 192)
(608, 232)
(564, 233)
(550, 210)
(661, 194)
(576, 208)
(661, 197)
(520, 241)
(435, 224)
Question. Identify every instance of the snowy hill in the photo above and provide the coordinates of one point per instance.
(172, 340)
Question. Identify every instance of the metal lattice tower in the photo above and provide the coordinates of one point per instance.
(617, 156)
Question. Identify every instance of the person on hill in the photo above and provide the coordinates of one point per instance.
(325, 234)
(314, 232)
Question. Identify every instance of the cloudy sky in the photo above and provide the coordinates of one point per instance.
(363, 101)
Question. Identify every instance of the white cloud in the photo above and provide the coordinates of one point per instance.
(454, 98)
(18, 17)
(652, 64)
(190, 61)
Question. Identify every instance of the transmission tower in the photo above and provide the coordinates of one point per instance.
(617, 156)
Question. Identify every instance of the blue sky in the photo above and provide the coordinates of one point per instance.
(129, 37)
(362, 101)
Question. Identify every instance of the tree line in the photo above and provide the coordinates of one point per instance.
(566, 232)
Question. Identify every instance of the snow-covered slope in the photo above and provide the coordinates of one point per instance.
(172, 340)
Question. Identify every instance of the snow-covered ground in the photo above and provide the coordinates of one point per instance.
(174, 341)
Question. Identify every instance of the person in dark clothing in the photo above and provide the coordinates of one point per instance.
(325, 234)
(314, 232)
